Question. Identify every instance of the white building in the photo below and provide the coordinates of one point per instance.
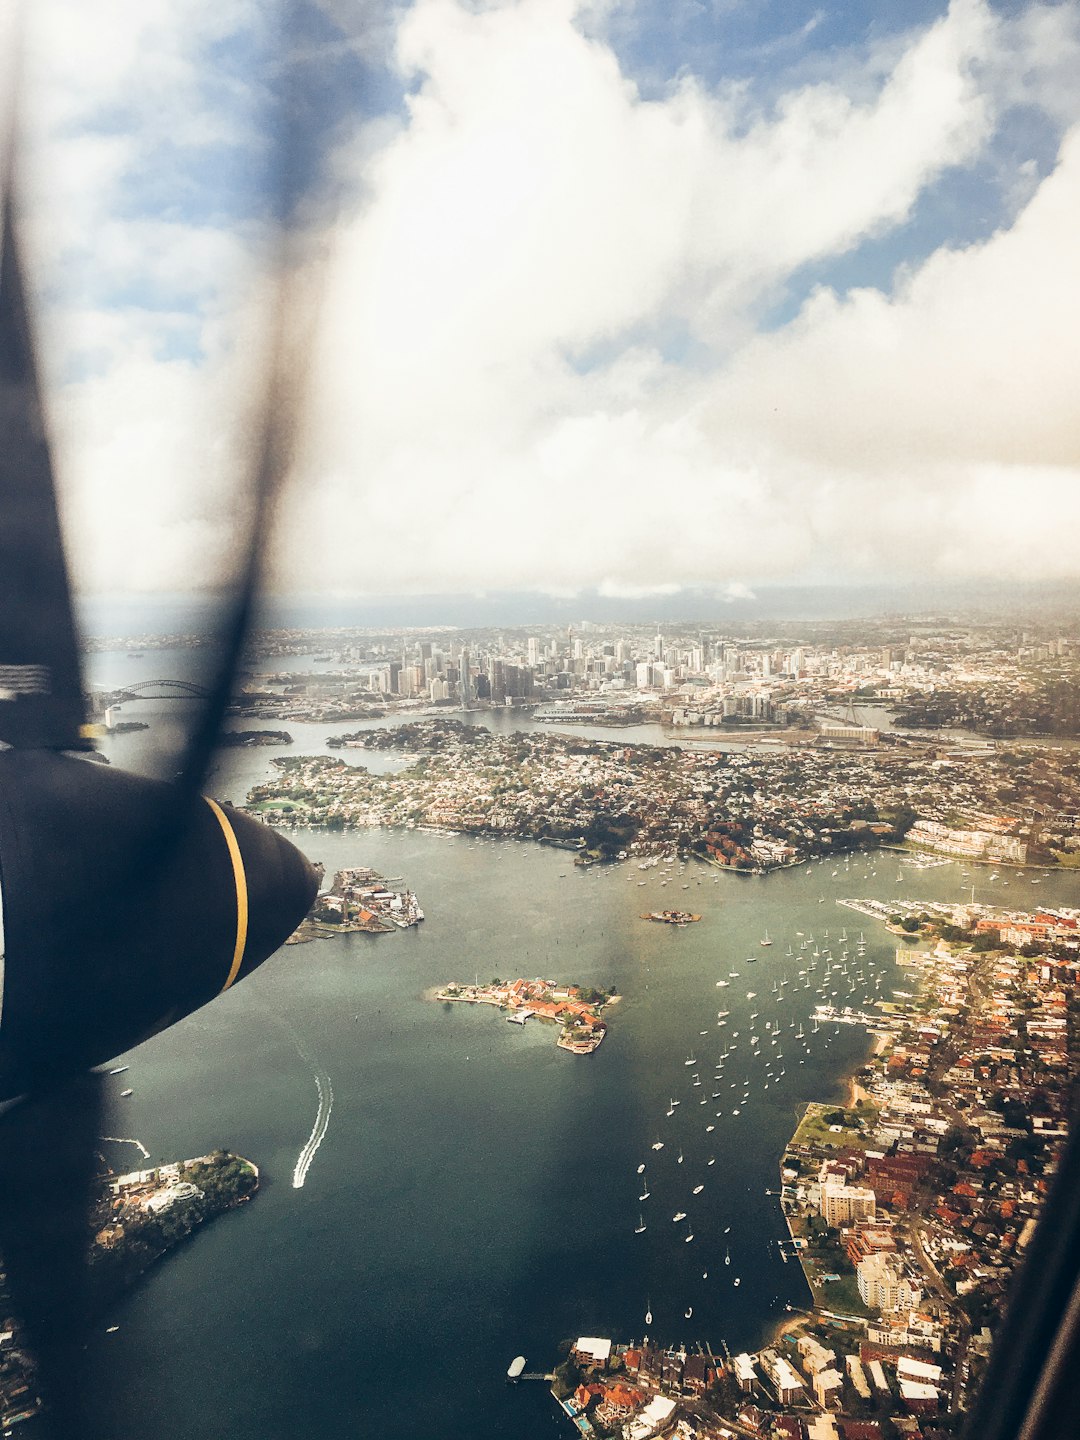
(651, 1420)
(883, 1284)
(841, 1204)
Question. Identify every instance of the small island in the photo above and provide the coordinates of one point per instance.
(671, 917)
(576, 1008)
(359, 899)
(249, 739)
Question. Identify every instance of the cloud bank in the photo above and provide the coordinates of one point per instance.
(549, 353)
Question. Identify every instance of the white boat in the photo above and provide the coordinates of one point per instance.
(679, 1215)
(680, 1157)
(658, 1144)
(644, 1195)
(711, 1160)
(727, 1257)
(688, 1312)
(765, 939)
(737, 1281)
(688, 1238)
(641, 1168)
(641, 1225)
(698, 1189)
(119, 1070)
(648, 1313)
(125, 1093)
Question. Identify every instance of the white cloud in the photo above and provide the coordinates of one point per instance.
(537, 363)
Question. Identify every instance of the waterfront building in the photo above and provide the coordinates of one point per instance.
(745, 1374)
(591, 1352)
(851, 734)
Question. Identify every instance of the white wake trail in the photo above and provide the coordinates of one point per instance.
(318, 1130)
(123, 1140)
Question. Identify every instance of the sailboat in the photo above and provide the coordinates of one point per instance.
(644, 1195)
(688, 1312)
(727, 1256)
(765, 939)
(641, 1225)
(648, 1312)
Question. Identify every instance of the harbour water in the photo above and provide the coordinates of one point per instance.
(475, 1194)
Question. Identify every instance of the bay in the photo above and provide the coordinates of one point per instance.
(475, 1195)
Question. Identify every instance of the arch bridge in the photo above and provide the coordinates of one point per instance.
(164, 690)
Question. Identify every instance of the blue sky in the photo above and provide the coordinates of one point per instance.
(617, 296)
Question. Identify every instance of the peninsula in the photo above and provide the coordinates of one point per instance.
(748, 810)
(135, 1220)
(575, 1008)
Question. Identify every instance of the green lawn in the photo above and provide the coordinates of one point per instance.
(814, 1131)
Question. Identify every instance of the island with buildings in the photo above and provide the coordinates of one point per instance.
(359, 898)
(576, 1009)
(135, 1220)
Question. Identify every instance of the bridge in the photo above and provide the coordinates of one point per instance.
(163, 690)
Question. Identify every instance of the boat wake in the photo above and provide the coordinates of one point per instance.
(318, 1130)
(123, 1140)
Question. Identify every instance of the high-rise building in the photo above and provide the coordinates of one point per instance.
(841, 1204)
(466, 680)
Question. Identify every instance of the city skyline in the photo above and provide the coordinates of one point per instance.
(620, 298)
